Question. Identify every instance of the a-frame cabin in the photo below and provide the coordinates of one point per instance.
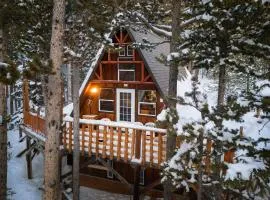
(127, 85)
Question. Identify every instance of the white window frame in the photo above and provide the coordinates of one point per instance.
(128, 48)
(118, 91)
(125, 70)
(104, 100)
(148, 103)
(123, 50)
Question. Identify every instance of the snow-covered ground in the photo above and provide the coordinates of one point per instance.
(25, 189)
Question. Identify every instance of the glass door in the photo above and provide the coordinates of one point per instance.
(125, 105)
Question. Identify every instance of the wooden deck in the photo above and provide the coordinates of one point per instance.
(117, 141)
(120, 141)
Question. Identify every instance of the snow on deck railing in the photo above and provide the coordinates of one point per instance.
(118, 140)
(129, 125)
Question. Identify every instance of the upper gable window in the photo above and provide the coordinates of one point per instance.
(126, 51)
(126, 71)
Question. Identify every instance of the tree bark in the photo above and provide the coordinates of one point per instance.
(76, 129)
(173, 75)
(69, 84)
(221, 85)
(54, 106)
(3, 131)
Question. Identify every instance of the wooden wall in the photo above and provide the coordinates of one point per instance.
(110, 72)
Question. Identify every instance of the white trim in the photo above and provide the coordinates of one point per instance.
(149, 103)
(129, 47)
(123, 49)
(99, 99)
(109, 111)
(132, 92)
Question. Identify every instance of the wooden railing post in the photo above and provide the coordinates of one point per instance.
(138, 144)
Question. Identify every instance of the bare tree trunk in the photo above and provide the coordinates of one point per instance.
(54, 106)
(76, 136)
(3, 132)
(173, 74)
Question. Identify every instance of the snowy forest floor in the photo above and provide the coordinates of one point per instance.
(22, 188)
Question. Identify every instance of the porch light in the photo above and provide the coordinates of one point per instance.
(93, 90)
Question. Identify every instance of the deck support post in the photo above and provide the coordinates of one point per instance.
(29, 159)
(138, 144)
(136, 188)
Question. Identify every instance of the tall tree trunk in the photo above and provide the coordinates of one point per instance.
(54, 106)
(3, 131)
(219, 146)
(173, 74)
(221, 85)
(69, 84)
(76, 136)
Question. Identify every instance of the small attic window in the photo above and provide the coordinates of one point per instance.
(126, 51)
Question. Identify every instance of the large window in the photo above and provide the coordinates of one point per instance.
(106, 100)
(147, 102)
(126, 71)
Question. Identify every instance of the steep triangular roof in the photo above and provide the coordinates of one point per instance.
(158, 70)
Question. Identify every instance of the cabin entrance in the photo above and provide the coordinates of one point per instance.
(125, 105)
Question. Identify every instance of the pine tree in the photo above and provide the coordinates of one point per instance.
(220, 33)
(54, 106)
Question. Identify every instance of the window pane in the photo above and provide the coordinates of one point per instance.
(126, 66)
(147, 96)
(106, 105)
(106, 94)
(127, 75)
(147, 109)
(129, 51)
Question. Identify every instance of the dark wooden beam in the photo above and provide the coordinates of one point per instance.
(142, 72)
(28, 159)
(118, 40)
(108, 185)
(100, 71)
(125, 38)
(147, 78)
(121, 62)
(136, 188)
(121, 82)
(117, 175)
(150, 186)
(98, 77)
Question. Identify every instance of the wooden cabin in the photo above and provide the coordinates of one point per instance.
(127, 85)
(120, 98)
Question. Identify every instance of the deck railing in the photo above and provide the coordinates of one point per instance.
(35, 122)
(120, 141)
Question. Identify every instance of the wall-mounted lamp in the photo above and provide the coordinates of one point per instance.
(93, 90)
